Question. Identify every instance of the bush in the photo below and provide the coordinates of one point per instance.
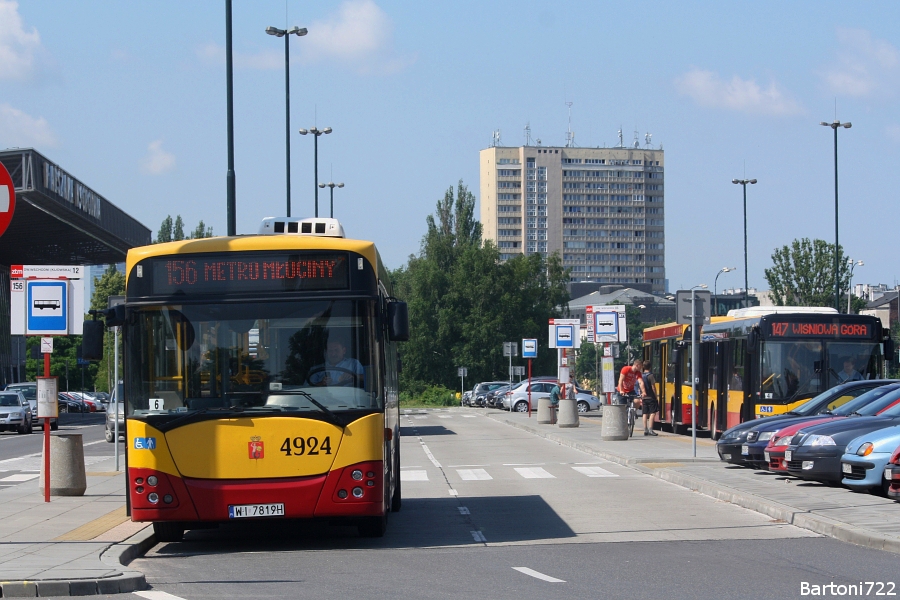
(430, 395)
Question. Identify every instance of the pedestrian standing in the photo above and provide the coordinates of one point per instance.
(649, 399)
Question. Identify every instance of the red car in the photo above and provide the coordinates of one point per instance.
(892, 473)
(774, 451)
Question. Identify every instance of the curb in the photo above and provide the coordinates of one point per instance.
(805, 520)
(115, 556)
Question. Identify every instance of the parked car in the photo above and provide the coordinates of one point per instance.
(465, 400)
(892, 473)
(29, 390)
(866, 457)
(815, 453)
(746, 443)
(493, 397)
(71, 404)
(116, 408)
(481, 389)
(92, 404)
(518, 397)
(15, 412)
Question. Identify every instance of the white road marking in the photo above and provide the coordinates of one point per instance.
(534, 473)
(463, 510)
(461, 466)
(413, 475)
(538, 575)
(469, 416)
(453, 492)
(429, 454)
(157, 595)
(444, 417)
(411, 467)
(478, 536)
(524, 464)
(473, 474)
(594, 472)
(425, 417)
(21, 477)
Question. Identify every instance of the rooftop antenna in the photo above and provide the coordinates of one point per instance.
(648, 138)
(570, 135)
(527, 134)
(637, 144)
(495, 142)
(621, 143)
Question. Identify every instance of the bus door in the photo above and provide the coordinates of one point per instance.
(719, 369)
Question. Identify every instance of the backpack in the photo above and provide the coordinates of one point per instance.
(648, 386)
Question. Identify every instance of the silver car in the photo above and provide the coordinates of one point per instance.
(29, 390)
(518, 397)
(15, 412)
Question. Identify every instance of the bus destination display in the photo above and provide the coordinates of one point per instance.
(242, 273)
(793, 329)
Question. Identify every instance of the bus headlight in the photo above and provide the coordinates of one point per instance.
(357, 492)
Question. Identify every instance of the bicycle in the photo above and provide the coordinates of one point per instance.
(631, 414)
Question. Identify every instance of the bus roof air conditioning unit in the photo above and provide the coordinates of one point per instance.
(296, 226)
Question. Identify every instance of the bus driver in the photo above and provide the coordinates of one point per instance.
(338, 369)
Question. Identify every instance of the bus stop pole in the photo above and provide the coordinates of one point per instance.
(115, 396)
(46, 438)
(694, 371)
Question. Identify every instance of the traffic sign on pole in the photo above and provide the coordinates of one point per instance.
(7, 199)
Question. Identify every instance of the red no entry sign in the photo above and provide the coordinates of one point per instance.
(7, 199)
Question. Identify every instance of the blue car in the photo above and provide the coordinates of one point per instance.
(866, 457)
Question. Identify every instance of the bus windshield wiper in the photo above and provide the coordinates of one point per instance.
(336, 420)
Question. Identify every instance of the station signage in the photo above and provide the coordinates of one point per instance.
(46, 299)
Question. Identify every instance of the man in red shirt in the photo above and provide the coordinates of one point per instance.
(628, 377)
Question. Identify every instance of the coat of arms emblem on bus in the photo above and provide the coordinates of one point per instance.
(255, 447)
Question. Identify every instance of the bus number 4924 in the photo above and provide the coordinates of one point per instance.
(310, 446)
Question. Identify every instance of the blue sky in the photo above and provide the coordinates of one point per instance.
(130, 98)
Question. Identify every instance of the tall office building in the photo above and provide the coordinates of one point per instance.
(602, 209)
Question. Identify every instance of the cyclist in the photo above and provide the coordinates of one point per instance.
(628, 377)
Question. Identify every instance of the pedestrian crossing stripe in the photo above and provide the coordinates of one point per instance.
(525, 472)
(534, 473)
(413, 475)
(473, 474)
(594, 472)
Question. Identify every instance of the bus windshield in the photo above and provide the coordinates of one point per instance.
(282, 357)
(791, 369)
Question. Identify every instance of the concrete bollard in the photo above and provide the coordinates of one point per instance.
(67, 477)
(568, 412)
(615, 422)
(546, 413)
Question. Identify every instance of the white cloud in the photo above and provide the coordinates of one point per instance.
(20, 130)
(157, 161)
(359, 36)
(743, 95)
(862, 65)
(17, 46)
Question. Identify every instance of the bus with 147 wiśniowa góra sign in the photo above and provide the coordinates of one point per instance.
(261, 379)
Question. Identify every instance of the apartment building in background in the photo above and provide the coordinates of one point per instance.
(602, 209)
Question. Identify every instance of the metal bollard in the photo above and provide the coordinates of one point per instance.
(568, 412)
(615, 422)
(67, 476)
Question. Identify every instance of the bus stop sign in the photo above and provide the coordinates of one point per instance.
(7, 199)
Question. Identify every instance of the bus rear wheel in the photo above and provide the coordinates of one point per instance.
(168, 532)
(397, 498)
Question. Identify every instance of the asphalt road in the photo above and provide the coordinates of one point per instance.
(492, 512)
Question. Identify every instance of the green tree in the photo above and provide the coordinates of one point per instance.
(165, 230)
(178, 230)
(464, 302)
(202, 231)
(111, 283)
(803, 274)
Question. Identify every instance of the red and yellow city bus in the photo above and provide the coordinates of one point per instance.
(760, 361)
(261, 379)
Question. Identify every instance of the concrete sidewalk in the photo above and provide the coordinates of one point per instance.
(858, 518)
(71, 546)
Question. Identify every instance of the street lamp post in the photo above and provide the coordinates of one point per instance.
(694, 365)
(316, 133)
(851, 263)
(331, 185)
(837, 289)
(716, 288)
(744, 183)
(286, 34)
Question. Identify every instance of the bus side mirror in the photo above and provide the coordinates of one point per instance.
(398, 321)
(92, 340)
(753, 340)
(889, 349)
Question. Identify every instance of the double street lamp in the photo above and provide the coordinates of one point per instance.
(744, 183)
(316, 133)
(837, 288)
(716, 288)
(851, 263)
(286, 34)
(332, 185)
